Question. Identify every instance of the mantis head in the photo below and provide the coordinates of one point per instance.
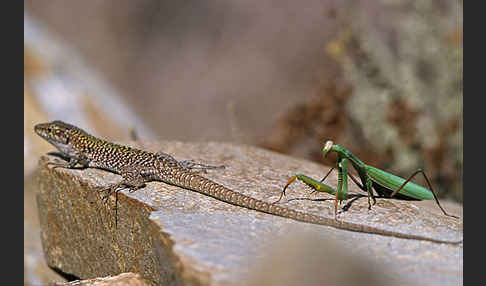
(327, 147)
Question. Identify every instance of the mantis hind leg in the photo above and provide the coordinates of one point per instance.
(361, 187)
(430, 187)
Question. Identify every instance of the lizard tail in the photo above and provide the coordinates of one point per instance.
(210, 188)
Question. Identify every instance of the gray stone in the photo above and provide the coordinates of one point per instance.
(126, 279)
(173, 236)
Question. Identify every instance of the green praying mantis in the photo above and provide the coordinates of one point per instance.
(385, 184)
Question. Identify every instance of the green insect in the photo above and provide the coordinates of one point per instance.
(385, 184)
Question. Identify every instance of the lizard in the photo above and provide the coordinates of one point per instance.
(138, 167)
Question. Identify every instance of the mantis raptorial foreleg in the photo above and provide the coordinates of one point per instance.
(317, 186)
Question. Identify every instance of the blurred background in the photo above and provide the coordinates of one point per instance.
(381, 77)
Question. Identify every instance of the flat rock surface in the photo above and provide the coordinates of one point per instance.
(126, 279)
(174, 236)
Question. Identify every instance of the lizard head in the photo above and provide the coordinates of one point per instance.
(56, 132)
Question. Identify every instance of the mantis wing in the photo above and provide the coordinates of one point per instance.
(393, 182)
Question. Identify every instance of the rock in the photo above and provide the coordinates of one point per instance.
(173, 236)
(127, 279)
(313, 260)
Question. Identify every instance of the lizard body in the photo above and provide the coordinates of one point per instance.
(138, 167)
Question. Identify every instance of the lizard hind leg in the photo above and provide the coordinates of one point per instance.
(132, 180)
(114, 188)
(189, 164)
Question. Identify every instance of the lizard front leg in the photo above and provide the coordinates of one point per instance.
(70, 164)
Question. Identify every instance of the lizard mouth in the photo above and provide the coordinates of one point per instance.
(40, 129)
(52, 132)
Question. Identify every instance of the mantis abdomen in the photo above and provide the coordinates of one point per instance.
(393, 182)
